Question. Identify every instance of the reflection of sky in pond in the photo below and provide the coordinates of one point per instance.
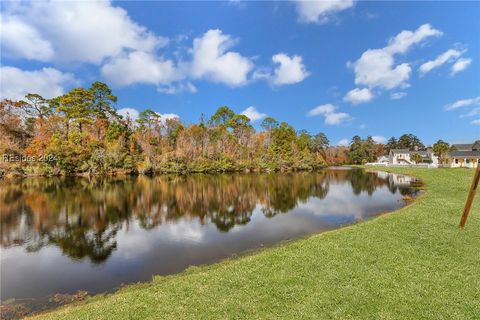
(150, 234)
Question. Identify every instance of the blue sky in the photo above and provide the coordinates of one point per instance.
(339, 67)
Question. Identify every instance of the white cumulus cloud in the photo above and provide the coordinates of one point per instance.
(19, 39)
(463, 103)
(139, 67)
(402, 42)
(253, 114)
(445, 57)
(212, 61)
(471, 113)
(335, 118)
(460, 65)
(320, 11)
(329, 112)
(290, 70)
(322, 109)
(48, 82)
(377, 67)
(82, 31)
(357, 96)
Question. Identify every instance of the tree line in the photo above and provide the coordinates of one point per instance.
(84, 133)
(81, 131)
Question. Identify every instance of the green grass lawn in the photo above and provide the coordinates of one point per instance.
(412, 264)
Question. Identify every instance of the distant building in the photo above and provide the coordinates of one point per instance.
(399, 156)
(464, 155)
(382, 159)
(403, 157)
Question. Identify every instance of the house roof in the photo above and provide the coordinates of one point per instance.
(476, 145)
(467, 146)
(463, 146)
(464, 154)
(423, 153)
(400, 151)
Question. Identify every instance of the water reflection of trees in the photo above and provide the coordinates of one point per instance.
(82, 216)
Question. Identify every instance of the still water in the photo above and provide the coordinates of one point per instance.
(62, 235)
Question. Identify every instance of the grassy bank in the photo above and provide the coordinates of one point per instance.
(411, 264)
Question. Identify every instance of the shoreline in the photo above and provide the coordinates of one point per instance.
(6, 176)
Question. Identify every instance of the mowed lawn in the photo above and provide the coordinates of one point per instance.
(412, 264)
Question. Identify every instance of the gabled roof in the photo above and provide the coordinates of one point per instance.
(463, 146)
(423, 153)
(467, 146)
(476, 145)
(464, 154)
(400, 151)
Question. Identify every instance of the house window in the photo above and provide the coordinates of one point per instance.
(468, 161)
(456, 161)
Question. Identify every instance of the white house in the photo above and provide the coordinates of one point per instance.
(464, 155)
(399, 156)
(382, 160)
(404, 157)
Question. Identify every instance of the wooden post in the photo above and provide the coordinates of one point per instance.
(471, 195)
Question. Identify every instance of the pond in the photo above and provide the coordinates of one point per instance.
(62, 235)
